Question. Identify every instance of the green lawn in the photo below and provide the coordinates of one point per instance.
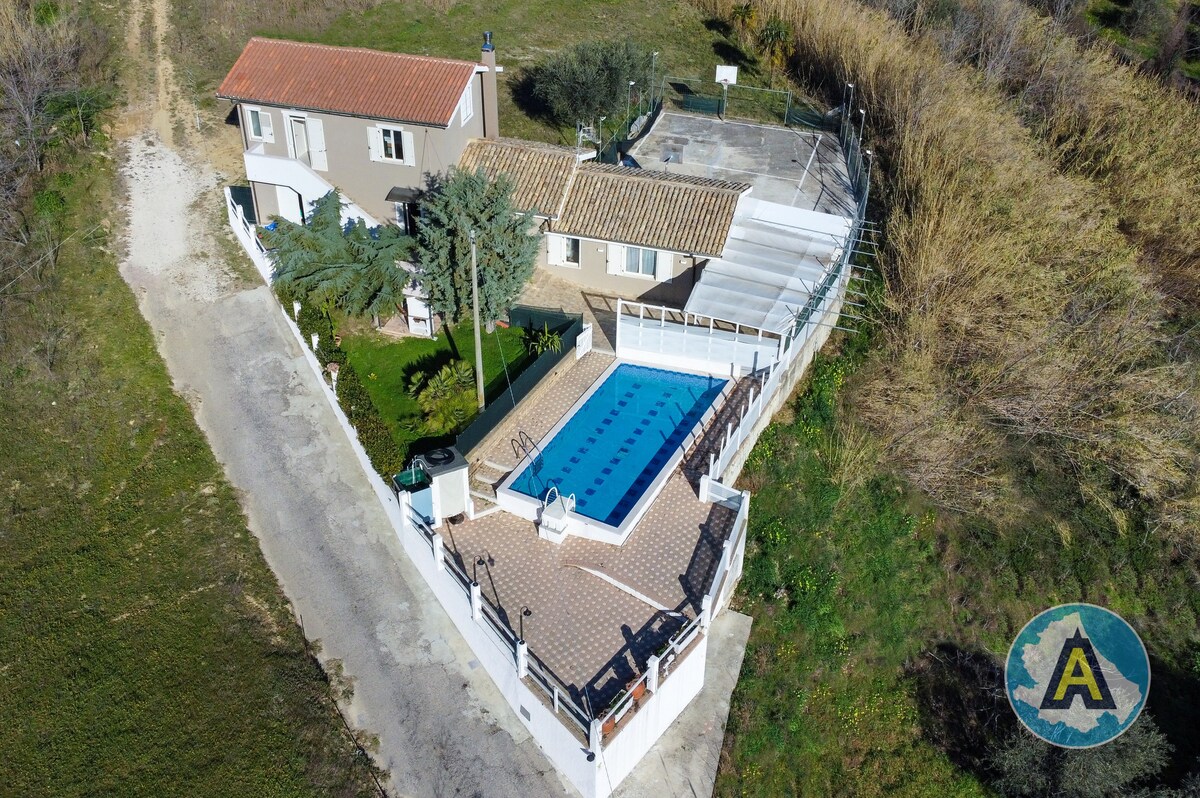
(525, 31)
(145, 646)
(838, 578)
(385, 366)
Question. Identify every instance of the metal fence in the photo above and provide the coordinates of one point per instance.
(568, 326)
(754, 103)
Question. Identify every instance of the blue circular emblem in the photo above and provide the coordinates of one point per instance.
(1077, 675)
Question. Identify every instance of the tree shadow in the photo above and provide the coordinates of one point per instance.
(524, 97)
(734, 56)
(962, 704)
(1174, 696)
(718, 26)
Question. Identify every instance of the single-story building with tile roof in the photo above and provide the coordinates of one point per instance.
(636, 233)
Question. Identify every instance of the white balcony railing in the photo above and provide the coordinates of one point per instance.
(297, 176)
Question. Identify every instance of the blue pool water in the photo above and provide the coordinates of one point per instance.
(611, 449)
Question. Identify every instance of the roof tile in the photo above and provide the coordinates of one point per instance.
(348, 80)
(650, 208)
(540, 172)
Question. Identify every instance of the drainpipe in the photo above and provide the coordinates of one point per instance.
(491, 118)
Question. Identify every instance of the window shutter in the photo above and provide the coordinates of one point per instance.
(616, 259)
(554, 250)
(664, 263)
(375, 143)
(410, 154)
(264, 123)
(315, 129)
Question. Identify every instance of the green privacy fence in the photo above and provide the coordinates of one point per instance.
(753, 103)
(568, 326)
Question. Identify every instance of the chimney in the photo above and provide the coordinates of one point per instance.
(491, 118)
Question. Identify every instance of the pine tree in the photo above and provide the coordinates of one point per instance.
(506, 249)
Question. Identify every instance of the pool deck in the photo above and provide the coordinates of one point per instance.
(593, 635)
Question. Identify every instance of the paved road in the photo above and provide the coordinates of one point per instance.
(444, 729)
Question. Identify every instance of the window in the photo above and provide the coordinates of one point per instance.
(260, 125)
(388, 144)
(640, 261)
(466, 106)
(571, 251)
(393, 144)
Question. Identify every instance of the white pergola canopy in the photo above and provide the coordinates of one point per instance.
(774, 258)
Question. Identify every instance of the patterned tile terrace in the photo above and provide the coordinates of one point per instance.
(590, 633)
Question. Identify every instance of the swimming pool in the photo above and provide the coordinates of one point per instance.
(611, 449)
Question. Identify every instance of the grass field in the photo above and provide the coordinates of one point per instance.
(145, 646)
(385, 367)
(688, 42)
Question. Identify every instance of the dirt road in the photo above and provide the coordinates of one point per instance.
(443, 728)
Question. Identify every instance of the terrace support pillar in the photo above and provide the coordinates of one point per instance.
(594, 736)
(652, 671)
(705, 612)
(476, 602)
(439, 552)
(522, 659)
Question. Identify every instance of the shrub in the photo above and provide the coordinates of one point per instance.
(539, 342)
(589, 80)
(386, 455)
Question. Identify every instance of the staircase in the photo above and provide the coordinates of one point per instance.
(484, 478)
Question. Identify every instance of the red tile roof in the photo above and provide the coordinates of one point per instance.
(348, 80)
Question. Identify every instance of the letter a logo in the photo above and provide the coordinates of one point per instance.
(1077, 673)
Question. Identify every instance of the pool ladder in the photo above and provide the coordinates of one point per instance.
(568, 501)
(523, 445)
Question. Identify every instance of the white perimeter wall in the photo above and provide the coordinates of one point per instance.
(639, 732)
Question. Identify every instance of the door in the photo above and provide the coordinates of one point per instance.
(289, 204)
(299, 140)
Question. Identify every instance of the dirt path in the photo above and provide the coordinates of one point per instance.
(320, 526)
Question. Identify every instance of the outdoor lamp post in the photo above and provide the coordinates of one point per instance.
(475, 311)
(525, 613)
(629, 98)
(653, 72)
(475, 569)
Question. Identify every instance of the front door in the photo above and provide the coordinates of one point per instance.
(299, 140)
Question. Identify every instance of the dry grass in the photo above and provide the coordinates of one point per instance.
(1017, 316)
(1138, 139)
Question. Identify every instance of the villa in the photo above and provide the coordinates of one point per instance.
(583, 541)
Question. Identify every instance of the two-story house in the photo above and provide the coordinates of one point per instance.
(373, 124)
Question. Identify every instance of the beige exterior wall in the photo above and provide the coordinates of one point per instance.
(348, 155)
(592, 273)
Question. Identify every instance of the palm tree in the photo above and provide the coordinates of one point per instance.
(743, 17)
(352, 266)
(773, 40)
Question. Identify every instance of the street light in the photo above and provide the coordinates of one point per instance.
(475, 313)
(629, 98)
(653, 72)
(475, 569)
(525, 613)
